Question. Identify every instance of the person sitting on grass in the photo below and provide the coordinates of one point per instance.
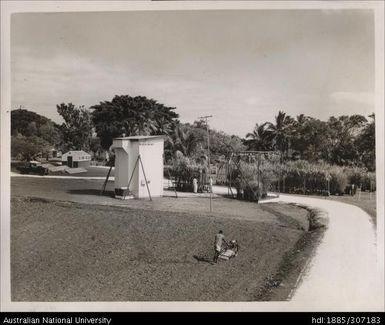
(219, 240)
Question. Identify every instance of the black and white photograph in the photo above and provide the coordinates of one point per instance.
(192, 156)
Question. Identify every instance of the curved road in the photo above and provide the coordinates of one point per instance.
(344, 273)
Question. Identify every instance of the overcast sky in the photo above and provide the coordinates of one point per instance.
(239, 66)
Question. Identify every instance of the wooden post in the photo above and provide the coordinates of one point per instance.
(105, 182)
(132, 174)
(208, 150)
(145, 178)
(258, 170)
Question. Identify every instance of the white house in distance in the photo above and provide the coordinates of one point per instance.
(76, 158)
(149, 167)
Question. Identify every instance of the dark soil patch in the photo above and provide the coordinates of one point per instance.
(68, 243)
(92, 191)
(285, 219)
(281, 285)
(64, 251)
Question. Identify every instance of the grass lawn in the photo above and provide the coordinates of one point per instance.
(87, 191)
(365, 201)
(68, 251)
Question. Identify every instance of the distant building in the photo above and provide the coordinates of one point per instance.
(76, 158)
(54, 153)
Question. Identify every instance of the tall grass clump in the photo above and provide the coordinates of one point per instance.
(183, 171)
(248, 184)
(302, 177)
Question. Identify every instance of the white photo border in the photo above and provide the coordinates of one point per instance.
(11, 7)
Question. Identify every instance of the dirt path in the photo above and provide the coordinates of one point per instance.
(344, 273)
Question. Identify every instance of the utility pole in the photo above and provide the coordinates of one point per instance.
(208, 153)
(258, 176)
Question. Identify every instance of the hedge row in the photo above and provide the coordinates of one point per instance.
(306, 178)
(299, 177)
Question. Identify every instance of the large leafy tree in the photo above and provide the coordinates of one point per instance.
(129, 116)
(29, 148)
(222, 144)
(365, 143)
(76, 128)
(342, 133)
(308, 138)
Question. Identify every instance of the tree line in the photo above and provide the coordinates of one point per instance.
(343, 140)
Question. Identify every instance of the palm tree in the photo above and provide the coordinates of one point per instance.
(302, 119)
(185, 140)
(300, 133)
(281, 132)
(260, 138)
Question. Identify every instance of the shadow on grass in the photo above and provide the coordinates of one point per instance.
(93, 191)
(192, 196)
(204, 259)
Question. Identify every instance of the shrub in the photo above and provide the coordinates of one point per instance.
(184, 171)
(245, 179)
(355, 175)
(368, 182)
(302, 177)
(339, 181)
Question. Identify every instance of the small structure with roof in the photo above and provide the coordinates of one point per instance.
(54, 153)
(76, 159)
(138, 166)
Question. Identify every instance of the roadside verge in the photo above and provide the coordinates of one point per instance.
(282, 284)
